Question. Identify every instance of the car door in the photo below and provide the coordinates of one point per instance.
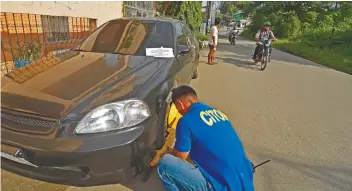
(188, 70)
(195, 48)
(183, 53)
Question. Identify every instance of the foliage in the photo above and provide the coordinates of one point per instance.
(191, 12)
(248, 33)
(201, 37)
(292, 27)
(220, 16)
(30, 52)
(188, 11)
(300, 16)
(311, 17)
(228, 8)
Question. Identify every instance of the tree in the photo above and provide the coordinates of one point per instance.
(228, 8)
(188, 11)
(290, 15)
(191, 11)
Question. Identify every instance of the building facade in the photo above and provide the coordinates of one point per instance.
(35, 29)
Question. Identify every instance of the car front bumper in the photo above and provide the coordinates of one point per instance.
(80, 160)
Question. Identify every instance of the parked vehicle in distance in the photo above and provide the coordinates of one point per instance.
(95, 114)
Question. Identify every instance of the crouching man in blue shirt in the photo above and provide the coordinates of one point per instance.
(207, 135)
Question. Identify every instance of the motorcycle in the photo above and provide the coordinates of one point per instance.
(233, 37)
(264, 53)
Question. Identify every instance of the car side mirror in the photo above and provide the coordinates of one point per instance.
(182, 50)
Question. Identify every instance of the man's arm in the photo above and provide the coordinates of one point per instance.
(257, 36)
(213, 37)
(272, 36)
(215, 33)
(183, 141)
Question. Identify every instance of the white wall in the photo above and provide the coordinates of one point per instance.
(101, 10)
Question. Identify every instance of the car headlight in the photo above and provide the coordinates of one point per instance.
(114, 116)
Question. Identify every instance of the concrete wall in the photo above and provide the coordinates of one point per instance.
(100, 10)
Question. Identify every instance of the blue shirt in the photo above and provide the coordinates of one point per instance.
(215, 148)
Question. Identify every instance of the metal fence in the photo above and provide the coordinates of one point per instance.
(26, 38)
(139, 8)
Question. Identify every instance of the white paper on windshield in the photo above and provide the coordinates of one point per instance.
(160, 52)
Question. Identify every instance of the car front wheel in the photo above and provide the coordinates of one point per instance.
(196, 71)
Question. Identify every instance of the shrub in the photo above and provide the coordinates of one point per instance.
(311, 17)
(201, 37)
(247, 33)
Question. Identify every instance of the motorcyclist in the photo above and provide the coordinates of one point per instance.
(233, 32)
(262, 34)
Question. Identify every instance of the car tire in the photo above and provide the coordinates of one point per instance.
(196, 71)
(160, 139)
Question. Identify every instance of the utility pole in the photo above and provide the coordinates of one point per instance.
(208, 16)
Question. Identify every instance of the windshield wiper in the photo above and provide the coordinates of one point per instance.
(120, 53)
(81, 50)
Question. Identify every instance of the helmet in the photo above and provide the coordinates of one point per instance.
(267, 23)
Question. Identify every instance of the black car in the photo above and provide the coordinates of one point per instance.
(96, 113)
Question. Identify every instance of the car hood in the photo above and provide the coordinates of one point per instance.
(54, 86)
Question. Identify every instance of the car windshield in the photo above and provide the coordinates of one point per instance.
(128, 37)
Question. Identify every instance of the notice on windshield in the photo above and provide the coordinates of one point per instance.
(160, 52)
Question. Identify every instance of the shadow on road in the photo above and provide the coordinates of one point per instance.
(247, 64)
(339, 178)
(230, 49)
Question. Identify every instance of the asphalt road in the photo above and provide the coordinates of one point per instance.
(296, 113)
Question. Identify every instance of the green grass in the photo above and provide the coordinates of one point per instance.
(338, 58)
(333, 54)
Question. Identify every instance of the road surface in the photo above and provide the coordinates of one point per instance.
(296, 113)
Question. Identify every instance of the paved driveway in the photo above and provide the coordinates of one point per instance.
(296, 113)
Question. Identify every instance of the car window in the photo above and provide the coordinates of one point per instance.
(178, 29)
(181, 37)
(188, 33)
(186, 29)
(129, 37)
